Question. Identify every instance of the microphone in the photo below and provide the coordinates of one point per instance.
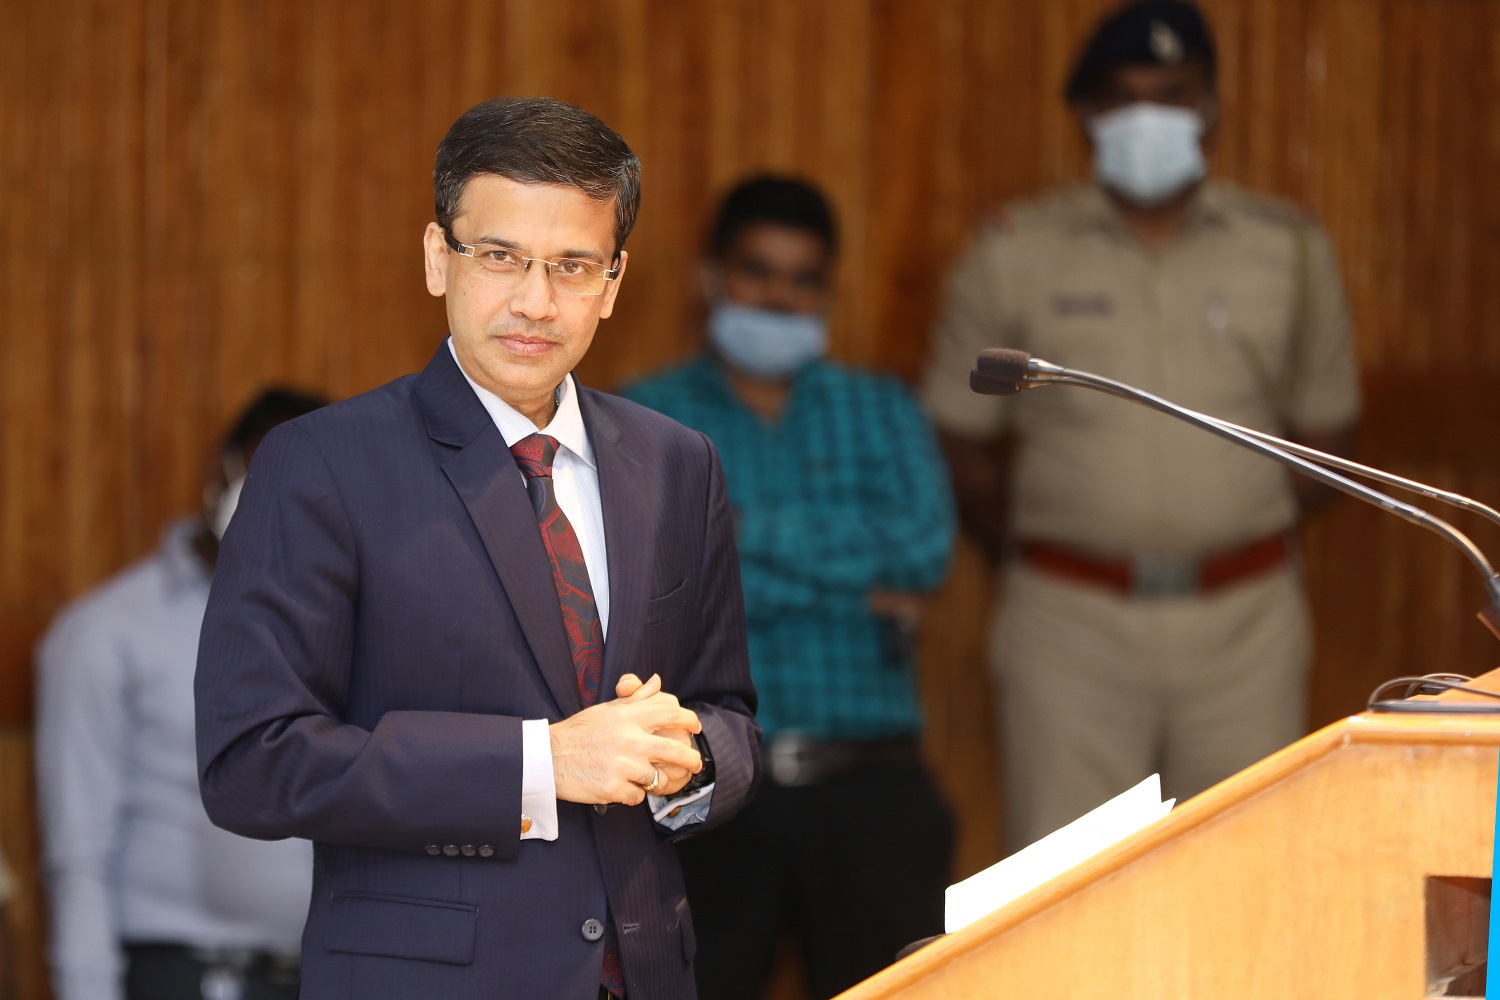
(1004, 371)
(1008, 371)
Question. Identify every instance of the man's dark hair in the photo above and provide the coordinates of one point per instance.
(275, 405)
(537, 140)
(780, 201)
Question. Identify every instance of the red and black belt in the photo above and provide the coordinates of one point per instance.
(1160, 577)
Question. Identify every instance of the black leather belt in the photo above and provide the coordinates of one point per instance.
(794, 759)
(275, 967)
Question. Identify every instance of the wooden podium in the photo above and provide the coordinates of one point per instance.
(1353, 864)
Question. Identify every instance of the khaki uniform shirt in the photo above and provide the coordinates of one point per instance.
(1241, 316)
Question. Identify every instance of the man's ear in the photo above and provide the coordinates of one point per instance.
(1083, 113)
(710, 279)
(612, 287)
(435, 259)
(1210, 113)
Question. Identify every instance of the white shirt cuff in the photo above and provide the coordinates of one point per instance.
(673, 812)
(538, 786)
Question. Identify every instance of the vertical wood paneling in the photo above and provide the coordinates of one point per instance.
(28, 979)
(201, 197)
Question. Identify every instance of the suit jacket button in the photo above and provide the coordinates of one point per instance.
(467, 850)
(592, 929)
(451, 850)
(486, 851)
(434, 850)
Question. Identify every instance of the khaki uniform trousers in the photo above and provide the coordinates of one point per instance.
(1097, 691)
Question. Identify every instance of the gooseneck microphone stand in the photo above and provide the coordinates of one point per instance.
(1002, 371)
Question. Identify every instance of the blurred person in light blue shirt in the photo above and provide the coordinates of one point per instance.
(148, 898)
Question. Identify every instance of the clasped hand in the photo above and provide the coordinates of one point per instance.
(611, 751)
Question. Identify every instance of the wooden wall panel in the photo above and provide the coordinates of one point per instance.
(198, 198)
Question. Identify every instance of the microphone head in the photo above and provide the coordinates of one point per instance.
(991, 387)
(1003, 364)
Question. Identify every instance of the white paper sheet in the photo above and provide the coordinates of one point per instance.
(1054, 854)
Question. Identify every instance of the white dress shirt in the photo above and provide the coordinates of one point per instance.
(575, 482)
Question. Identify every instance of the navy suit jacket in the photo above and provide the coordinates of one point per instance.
(382, 619)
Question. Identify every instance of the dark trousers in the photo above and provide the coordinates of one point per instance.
(855, 867)
(173, 972)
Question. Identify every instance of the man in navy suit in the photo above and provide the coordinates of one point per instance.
(433, 609)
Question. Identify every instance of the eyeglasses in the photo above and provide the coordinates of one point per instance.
(568, 274)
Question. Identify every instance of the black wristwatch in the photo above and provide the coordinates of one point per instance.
(706, 776)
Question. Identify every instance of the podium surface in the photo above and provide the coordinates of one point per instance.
(1353, 864)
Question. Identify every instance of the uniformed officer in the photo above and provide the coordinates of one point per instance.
(1151, 615)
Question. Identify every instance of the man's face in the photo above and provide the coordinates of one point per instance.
(774, 267)
(519, 339)
(1183, 86)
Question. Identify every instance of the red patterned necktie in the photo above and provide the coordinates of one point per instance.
(570, 574)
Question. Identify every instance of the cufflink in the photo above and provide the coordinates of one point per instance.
(525, 824)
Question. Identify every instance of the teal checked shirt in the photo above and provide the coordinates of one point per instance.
(844, 496)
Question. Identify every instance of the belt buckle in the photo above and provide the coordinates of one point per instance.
(1159, 576)
(222, 982)
(788, 756)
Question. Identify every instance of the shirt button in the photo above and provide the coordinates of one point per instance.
(486, 851)
(592, 929)
(434, 850)
(525, 824)
(467, 850)
(451, 850)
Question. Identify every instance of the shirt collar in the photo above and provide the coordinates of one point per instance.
(1209, 205)
(566, 425)
(1096, 211)
(711, 373)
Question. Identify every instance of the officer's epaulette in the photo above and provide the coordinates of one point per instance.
(1281, 211)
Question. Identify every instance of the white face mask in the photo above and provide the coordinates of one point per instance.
(1147, 152)
(764, 343)
(219, 509)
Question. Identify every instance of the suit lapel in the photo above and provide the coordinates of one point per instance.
(483, 473)
(627, 542)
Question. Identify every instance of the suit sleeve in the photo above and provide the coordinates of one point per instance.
(275, 758)
(717, 684)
